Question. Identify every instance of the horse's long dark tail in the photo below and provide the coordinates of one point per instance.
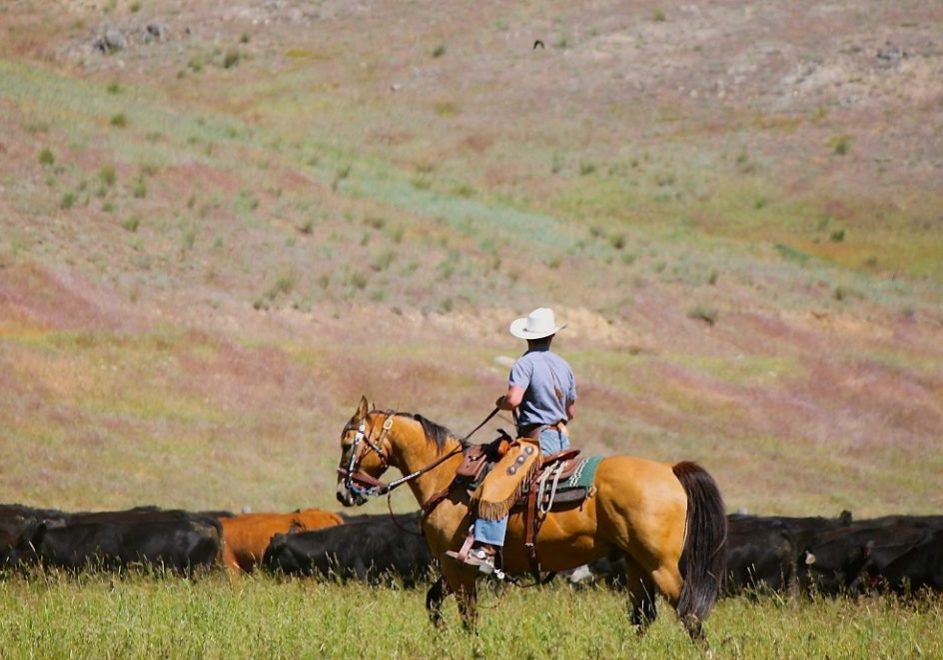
(704, 556)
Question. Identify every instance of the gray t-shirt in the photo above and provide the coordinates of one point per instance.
(541, 373)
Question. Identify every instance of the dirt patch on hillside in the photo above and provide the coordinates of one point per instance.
(36, 296)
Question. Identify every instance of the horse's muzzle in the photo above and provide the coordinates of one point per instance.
(348, 498)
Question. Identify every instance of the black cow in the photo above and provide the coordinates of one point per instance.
(57, 518)
(11, 534)
(174, 540)
(835, 561)
(216, 513)
(14, 515)
(760, 555)
(915, 568)
(17, 520)
(762, 550)
(14, 510)
(371, 548)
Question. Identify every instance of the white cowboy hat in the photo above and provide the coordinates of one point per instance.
(538, 324)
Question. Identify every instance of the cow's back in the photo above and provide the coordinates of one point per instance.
(180, 544)
(368, 549)
(245, 537)
(917, 567)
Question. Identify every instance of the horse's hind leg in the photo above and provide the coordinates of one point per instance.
(641, 590)
(434, 597)
(669, 581)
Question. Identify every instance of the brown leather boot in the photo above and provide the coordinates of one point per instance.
(481, 555)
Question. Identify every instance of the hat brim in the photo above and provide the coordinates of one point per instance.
(519, 329)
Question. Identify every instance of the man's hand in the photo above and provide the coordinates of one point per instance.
(501, 403)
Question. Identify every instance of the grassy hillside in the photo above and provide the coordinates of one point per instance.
(214, 238)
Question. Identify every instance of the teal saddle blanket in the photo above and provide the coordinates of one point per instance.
(583, 475)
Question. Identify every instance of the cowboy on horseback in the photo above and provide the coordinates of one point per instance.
(666, 520)
(542, 394)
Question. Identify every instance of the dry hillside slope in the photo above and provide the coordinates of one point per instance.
(221, 223)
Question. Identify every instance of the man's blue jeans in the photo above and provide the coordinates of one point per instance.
(492, 531)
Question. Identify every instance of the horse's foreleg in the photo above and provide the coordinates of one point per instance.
(461, 581)
(434, 597)
(468, 608)
(641, 589)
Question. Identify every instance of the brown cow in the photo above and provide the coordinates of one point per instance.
(245, 537)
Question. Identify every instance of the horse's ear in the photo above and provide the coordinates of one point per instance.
(362, 409)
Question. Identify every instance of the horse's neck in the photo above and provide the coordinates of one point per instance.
(413, 452)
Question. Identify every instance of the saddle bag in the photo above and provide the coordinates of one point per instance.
(474, 460)
(476, 457)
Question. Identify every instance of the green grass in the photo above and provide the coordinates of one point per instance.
(46, 156)
(144, 616)
(231, 59)
(703, 313)
(68, 200)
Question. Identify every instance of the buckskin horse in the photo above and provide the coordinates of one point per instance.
(668, 521)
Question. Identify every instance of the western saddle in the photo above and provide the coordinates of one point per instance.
(554, 486)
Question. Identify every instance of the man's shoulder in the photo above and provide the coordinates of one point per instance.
(529, 359)
(525, 362)
(559, 359)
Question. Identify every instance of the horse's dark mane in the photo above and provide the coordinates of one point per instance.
(434, 432)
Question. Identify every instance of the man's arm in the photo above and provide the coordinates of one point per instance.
(512, 399)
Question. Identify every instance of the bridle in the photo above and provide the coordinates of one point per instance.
(362, 484)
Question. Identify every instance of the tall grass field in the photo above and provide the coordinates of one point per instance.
(52, 615)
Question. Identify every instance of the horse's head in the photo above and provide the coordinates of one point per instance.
(365, 453)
